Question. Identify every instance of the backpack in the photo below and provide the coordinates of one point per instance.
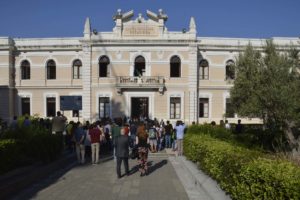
(152, 133)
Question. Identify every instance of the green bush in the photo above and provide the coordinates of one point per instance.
(242, 172)
(44, 147)
(269, 179)
(214, 131)
(10, 154)
(25, 145)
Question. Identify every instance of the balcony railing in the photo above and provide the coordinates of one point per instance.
(132, 82)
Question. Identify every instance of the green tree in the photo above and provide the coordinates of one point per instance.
(267, 86)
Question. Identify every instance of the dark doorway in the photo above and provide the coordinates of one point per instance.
(139, 107)
(139, 66)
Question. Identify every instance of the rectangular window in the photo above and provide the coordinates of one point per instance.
(175, 107)
(25, 106)
(175, 70)
(103, 70)
(229, 109)
(25, 72)
(203, 73)
(77, 72)
(203, 107)
(51, 106)
(104, 107)
(51, 72)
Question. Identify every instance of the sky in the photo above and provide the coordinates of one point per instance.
(214, 18)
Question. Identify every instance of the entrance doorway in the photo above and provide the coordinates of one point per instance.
(139, 107)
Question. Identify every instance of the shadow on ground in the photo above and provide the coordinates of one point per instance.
(151, 167)
(32, 190)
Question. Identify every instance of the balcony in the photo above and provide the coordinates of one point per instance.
(143, 82)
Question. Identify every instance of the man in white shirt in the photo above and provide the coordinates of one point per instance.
(180, 127)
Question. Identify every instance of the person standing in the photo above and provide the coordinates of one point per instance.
(153, 136)
(79, 137)
(122, 152)
(142, 141)
(26, 122)
(180, 127)
(69, 136)
(227, 125)
(239, 127)
(14, 123)
(133, 130)
(107, 134)
(95, 135)
(58, 123)
(168, 133)
(115, 132)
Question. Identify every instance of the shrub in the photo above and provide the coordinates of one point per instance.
(44, 147)
(242, 172)
(25, 145)
(214, 131)
(269, 179)
(10, 154)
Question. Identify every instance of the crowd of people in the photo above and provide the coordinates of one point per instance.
(121, 136)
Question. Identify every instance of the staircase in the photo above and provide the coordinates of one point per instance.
(162, 154)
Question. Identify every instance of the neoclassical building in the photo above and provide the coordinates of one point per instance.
(140, 68)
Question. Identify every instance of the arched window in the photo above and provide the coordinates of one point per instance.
(51, 69)
(204, 70)
(139, 66)
(103, 66)
(77, 69)
(175, 67)
(230, 70)
(25, 70)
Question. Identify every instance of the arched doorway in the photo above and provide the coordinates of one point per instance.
(139, 66)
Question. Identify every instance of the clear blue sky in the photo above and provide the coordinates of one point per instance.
(224, 18)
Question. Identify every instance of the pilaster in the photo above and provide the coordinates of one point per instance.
(86, 82)
(193, 90)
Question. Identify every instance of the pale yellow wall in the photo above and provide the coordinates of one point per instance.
(161, 106)
(5, 71)
(217, 59)
(4, 59)
(217, 74)
(4, 80)
(160, 70)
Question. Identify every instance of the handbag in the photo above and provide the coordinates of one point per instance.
(134, 153)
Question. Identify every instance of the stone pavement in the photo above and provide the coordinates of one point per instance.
(170, 177)
(100, 182)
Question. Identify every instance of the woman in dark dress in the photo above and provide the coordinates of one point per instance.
(142, 140)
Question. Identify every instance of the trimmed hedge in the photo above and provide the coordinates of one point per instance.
(44, 147)
(28, 144)
(10, 154)
(242, 172)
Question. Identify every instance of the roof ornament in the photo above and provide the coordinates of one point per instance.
(161, 15)
(123, 16)
(140, 18)
(87, 28)
(193, 29)
(192, 23)
(155, 17)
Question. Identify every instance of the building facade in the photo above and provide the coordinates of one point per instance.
(140, 68)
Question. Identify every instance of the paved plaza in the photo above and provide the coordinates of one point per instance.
(100, 182)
